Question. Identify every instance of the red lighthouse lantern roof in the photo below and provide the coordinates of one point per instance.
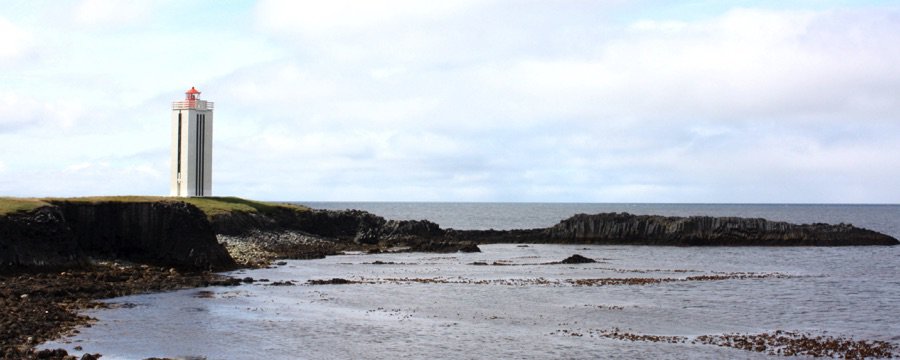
(192, 91)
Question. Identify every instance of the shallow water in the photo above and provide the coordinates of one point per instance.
(847, 291)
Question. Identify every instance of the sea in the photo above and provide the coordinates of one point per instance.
(524, 304)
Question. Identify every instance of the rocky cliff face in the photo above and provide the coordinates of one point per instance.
(37, 238)
(69, 232)
(345, 229)
(168, 233)
(623, 228)
(355, 226)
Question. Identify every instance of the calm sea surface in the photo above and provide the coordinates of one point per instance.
(455, 310)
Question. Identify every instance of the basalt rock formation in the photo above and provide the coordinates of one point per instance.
(163, 232)
(37, 238)
(364, 228)
(358, 226)
(174, 233)
(69, 233)
(624, 228)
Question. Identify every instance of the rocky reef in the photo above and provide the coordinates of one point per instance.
(624, 228)
(175, 233)
(628, 229)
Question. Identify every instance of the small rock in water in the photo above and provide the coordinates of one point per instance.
(334, 281)
(469, 248)
(281, 263)
(577, 259)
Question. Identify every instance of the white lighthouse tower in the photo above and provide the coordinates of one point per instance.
(192, 130)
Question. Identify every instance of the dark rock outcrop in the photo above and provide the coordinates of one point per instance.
(68, 233)
(364, 228)
(624, 228)
(37, 238)
(352, 226)
(444, 247)
(161, 232)
(175, 233)
(577, 259)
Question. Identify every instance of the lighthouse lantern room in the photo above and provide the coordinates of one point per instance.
(192, 130)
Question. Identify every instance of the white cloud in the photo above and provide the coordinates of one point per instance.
(743, 65)
(112, 13)
(14, 42)
(23, 111)
(319, 17)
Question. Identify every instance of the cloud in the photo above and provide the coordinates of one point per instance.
(734, 106)
(15, 42)
(480, 101)
(24, 111)
(312, 18)
(744, 65)
(111, 13)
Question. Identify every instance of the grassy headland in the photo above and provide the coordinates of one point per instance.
(211, 206)
(12, 205)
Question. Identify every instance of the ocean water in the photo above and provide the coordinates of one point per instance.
(422, 305)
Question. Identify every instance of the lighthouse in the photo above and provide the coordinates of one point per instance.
(192, 130)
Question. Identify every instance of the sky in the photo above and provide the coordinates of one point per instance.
(519, 100)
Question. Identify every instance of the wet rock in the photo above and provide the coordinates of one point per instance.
(334, 281)
(444, 247)
(577, 259)
(51, 354)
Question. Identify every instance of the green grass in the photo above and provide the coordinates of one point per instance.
(13, 205)
(222, 205)
(210, 205)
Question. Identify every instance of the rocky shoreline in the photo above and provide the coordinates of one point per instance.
(56, 260)
(44, 305)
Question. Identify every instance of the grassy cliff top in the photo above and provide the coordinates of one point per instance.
(210, 205)
(12, 205)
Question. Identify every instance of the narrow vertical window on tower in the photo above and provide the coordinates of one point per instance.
(198, 157)
(178, 159)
